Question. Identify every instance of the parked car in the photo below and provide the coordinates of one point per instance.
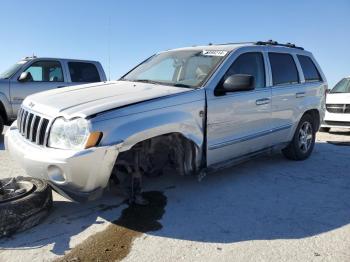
(32, 75)
(338, 106)
(194, 110)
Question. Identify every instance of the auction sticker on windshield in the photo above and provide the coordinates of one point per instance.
(214, 52)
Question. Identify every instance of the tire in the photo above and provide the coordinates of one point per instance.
(324, 129)
(1, 125)
(302, 145)
(25, 211)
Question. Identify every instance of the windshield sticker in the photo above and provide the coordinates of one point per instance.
(214, 52)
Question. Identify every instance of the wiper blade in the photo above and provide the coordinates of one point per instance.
(183, 85)
(146, 81)
(159, 83)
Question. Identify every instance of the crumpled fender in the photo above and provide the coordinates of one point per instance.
(180, 114)
(139, 130)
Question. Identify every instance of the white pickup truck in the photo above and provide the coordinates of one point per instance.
(33, 74)
(195, 110)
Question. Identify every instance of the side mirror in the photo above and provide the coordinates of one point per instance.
(25, 77)
(238, 82)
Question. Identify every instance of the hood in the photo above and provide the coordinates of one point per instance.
(338, 98)
(85, 100)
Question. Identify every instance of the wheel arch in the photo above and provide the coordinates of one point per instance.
(315, 114)
(186, 154)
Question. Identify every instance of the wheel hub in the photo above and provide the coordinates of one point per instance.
(11, 189)
(305, 137)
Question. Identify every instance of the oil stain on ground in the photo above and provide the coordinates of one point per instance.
(114, 243)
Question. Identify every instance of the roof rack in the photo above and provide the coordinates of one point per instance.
(237, 43)
(29, 57)
(271, 42)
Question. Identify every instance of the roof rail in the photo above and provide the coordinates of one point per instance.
(237, 43)
(29, 57)
(271, 42)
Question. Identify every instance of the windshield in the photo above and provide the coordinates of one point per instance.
(178, 68)
(342, 87)
(12, 70)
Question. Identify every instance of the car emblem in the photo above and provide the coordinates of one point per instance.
(31, 104)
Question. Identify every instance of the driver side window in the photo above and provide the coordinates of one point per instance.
(45, 71)
(250, 64)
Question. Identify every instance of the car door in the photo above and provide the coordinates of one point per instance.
(287, 95)
(42, 75)
(238, 123)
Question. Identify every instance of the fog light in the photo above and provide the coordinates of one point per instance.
(56, 174)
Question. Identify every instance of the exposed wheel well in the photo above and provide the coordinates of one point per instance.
(315, 114)
(159, 153)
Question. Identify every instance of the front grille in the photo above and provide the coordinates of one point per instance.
(337, 123)
(338, 108)
(31, 126)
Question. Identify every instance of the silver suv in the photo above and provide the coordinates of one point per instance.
(33, 74)
(194, 110)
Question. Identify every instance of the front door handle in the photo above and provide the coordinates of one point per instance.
(60, 86)
(300, 94)
(262, 101)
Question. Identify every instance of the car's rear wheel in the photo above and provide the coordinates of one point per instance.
(24, 202)
(302, 145)
(324, 129)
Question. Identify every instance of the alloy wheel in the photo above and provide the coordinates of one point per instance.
(305, 137)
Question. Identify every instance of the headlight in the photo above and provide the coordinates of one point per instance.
(72, 134)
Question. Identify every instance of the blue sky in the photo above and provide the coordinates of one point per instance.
(80, 29)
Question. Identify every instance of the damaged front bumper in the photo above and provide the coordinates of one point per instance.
(79, 176)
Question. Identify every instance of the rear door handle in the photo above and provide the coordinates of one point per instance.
(60, 86)
(300, 94)
(262, 101)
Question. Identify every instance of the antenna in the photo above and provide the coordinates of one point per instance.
(109, 48)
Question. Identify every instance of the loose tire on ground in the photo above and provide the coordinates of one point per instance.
(295, 150)
(25, 211)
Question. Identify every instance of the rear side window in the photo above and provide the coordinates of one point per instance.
(250, 64)
(310, 71)
(83, 72)
(284, 70)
